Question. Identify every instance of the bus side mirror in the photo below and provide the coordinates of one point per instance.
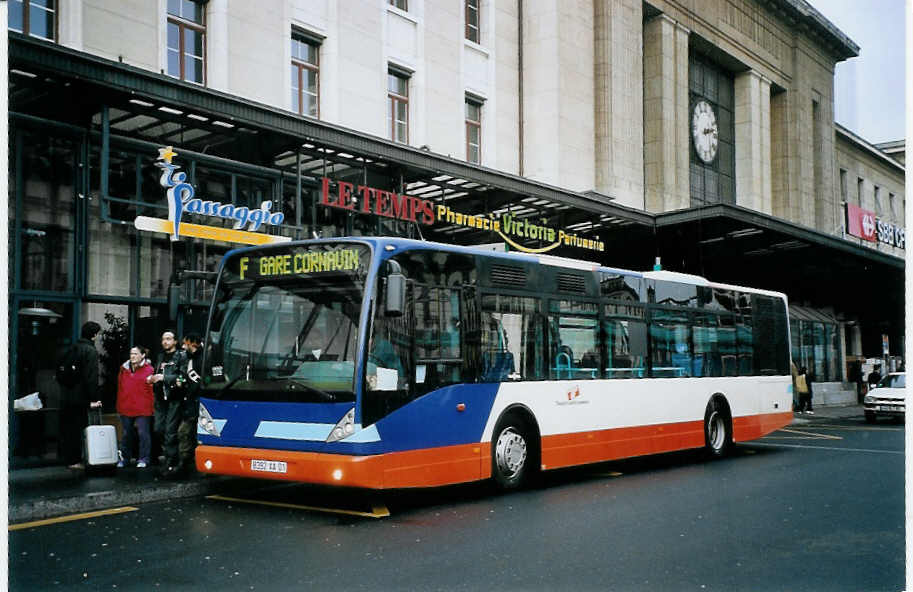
(395, 295)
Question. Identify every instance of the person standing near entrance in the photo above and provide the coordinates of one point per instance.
(135, 406)
(168, 385)
(76, 399)
(804, 388)
(190, 407)
(875, 377)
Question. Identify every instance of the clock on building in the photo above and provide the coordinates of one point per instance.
(705, 131)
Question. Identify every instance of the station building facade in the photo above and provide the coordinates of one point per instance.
(701, 135)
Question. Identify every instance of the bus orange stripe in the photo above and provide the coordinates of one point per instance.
(433, 467)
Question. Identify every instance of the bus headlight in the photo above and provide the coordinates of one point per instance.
(869, 399)
(344, 428)
(207, 424)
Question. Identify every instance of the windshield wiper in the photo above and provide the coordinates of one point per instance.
(294, 385)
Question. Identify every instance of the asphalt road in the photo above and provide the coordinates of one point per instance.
(817, 507)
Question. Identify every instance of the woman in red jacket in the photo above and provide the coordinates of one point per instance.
(134, 404)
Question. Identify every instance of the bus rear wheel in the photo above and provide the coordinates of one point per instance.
(717, 430)
(512, 454)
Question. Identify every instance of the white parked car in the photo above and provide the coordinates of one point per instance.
(888, 399)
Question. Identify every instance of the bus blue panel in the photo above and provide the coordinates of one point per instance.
(244, 418)
(431, 421)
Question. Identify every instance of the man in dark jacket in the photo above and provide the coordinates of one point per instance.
(168, 380)
(76, 400)
(190, 408)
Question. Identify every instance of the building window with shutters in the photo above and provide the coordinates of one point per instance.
(187, 41)
(37, 18)
(305, 74)
(398, 105)
(472, 21)
(473, 130)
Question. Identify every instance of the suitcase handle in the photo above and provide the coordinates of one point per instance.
(95, 416)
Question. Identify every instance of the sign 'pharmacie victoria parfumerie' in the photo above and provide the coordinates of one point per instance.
(181, 200)
(389, 204)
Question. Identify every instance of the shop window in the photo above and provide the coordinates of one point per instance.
(473, 130)
(472, 21)
(815, 346)
(305, 74)
(134, 186)
(46, 241)
(37, 18)
(40, 330)
(186, 50)
(398, 106)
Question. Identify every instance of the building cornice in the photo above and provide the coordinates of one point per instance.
(803, 15)
(868, 147)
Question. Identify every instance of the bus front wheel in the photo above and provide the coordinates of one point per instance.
(512, 454)
(717, 429)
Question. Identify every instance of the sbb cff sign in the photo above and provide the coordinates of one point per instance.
(867, 226)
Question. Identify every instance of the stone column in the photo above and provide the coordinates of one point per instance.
(752, 142)
(666, 143)
(618, 65)
(70, 24)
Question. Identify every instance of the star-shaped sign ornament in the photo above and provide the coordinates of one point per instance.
(167, 154)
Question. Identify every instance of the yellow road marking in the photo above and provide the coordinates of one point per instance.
(609, 474)
(72, 517)
(376, 511)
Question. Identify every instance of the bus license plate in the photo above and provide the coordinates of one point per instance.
(269, 466)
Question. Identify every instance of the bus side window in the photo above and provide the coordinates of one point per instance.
(497, 361)
(437, 338)
(670, 338)
(626, 340)
(573, 340)
(513, 338)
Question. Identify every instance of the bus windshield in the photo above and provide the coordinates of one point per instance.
(285, 323)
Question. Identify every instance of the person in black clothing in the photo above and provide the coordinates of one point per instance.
(874, 377)
(76, 400)
(190, 407)
(168, 380)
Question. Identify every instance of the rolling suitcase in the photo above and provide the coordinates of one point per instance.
(99, 443)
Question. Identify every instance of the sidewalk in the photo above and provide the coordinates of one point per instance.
(853, 411)
(47, 492)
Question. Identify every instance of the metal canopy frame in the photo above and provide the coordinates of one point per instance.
(159, 108)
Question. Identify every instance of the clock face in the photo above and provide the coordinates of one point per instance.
(705, 131)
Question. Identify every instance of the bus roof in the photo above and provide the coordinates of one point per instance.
(391, 243)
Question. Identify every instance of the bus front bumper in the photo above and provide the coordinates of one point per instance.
(306, 467)
(430, 467)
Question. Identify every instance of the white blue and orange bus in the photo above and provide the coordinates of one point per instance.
(391, 363)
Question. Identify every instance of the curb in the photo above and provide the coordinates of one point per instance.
(154, 492)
